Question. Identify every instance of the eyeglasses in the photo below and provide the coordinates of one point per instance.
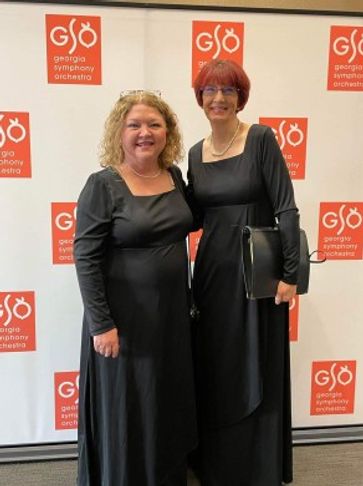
(213, 90)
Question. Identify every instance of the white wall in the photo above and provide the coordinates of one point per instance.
(286, 57)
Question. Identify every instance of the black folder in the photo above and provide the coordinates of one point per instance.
(262, 260)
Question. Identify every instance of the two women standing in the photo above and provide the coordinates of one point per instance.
(137, 415)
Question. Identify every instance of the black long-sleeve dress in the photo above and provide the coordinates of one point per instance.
(136, 412)
(242, 346)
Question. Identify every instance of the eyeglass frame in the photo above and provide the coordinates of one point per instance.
(222, 89)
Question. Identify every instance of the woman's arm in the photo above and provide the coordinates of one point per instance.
(290, 240)
(281, 194)
(94, 216)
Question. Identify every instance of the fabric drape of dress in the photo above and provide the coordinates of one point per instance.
(242, 346)
(136, 412)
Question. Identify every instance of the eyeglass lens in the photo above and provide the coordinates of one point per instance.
(213, 90)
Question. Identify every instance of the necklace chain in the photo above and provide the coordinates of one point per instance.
(229, 144)
(144, 176)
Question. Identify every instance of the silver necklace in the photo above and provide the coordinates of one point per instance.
(229, 145)
(144, 176)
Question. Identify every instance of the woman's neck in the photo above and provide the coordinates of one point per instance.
(144, 165)
(223, 137)
(223, 131)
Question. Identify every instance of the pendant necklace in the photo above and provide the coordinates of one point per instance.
(144, 176)
(229, 145)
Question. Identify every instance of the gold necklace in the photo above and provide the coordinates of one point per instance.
(144, 176)
(229, 145)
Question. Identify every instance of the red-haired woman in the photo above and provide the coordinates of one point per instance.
(238, 176)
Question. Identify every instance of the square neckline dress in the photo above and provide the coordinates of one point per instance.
(241, 346)
(136, 412)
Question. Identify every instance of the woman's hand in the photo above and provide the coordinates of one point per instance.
(285, 292)
(107, 344)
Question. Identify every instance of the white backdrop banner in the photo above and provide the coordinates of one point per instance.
(62, 69)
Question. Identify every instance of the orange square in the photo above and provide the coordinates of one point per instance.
(63, 229)
(15, 158)
(341, 230)
(194, 239)
(73, 49)
(345, 71)
(294, 318)
(332, 387)
(291, 135)
(17, 321)
(216, 40)
(66, 393)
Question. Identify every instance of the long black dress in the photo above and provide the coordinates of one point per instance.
(242, 346)
(136, 412)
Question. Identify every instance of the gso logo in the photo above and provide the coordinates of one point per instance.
(333, 387)
(344, 218)
(12, 130)
(17, 321)
(333, 376)
(73, 49)
(15, 160)
(216, 40)
(74, 35)
(65, 221)
(13, 310)
(63, 231)
(66, 391)
(289, 133)
(220, 39)
(341, 230)
(345, 71)
(69, 390)
(351, 45)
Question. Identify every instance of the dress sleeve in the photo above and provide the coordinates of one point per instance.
(94, 216)
(178, 179)
(281, 194)
(191, 199)
(290, 239)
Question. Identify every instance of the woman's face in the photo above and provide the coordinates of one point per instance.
(143, 136)
(220, 102)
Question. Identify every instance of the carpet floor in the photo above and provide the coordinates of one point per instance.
(314, 465)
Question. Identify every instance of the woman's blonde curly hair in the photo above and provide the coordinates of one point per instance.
(111, 152)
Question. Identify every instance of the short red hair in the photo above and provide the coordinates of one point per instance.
(223, 73)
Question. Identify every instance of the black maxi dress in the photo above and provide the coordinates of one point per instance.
(242, 346)
(136, 412)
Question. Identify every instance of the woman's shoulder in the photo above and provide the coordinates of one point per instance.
(175, 169)
(259, 136)
(177, 175)
(260, 130)
(195, 152)
(103, 176)
(198, 144)
(100, 180)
